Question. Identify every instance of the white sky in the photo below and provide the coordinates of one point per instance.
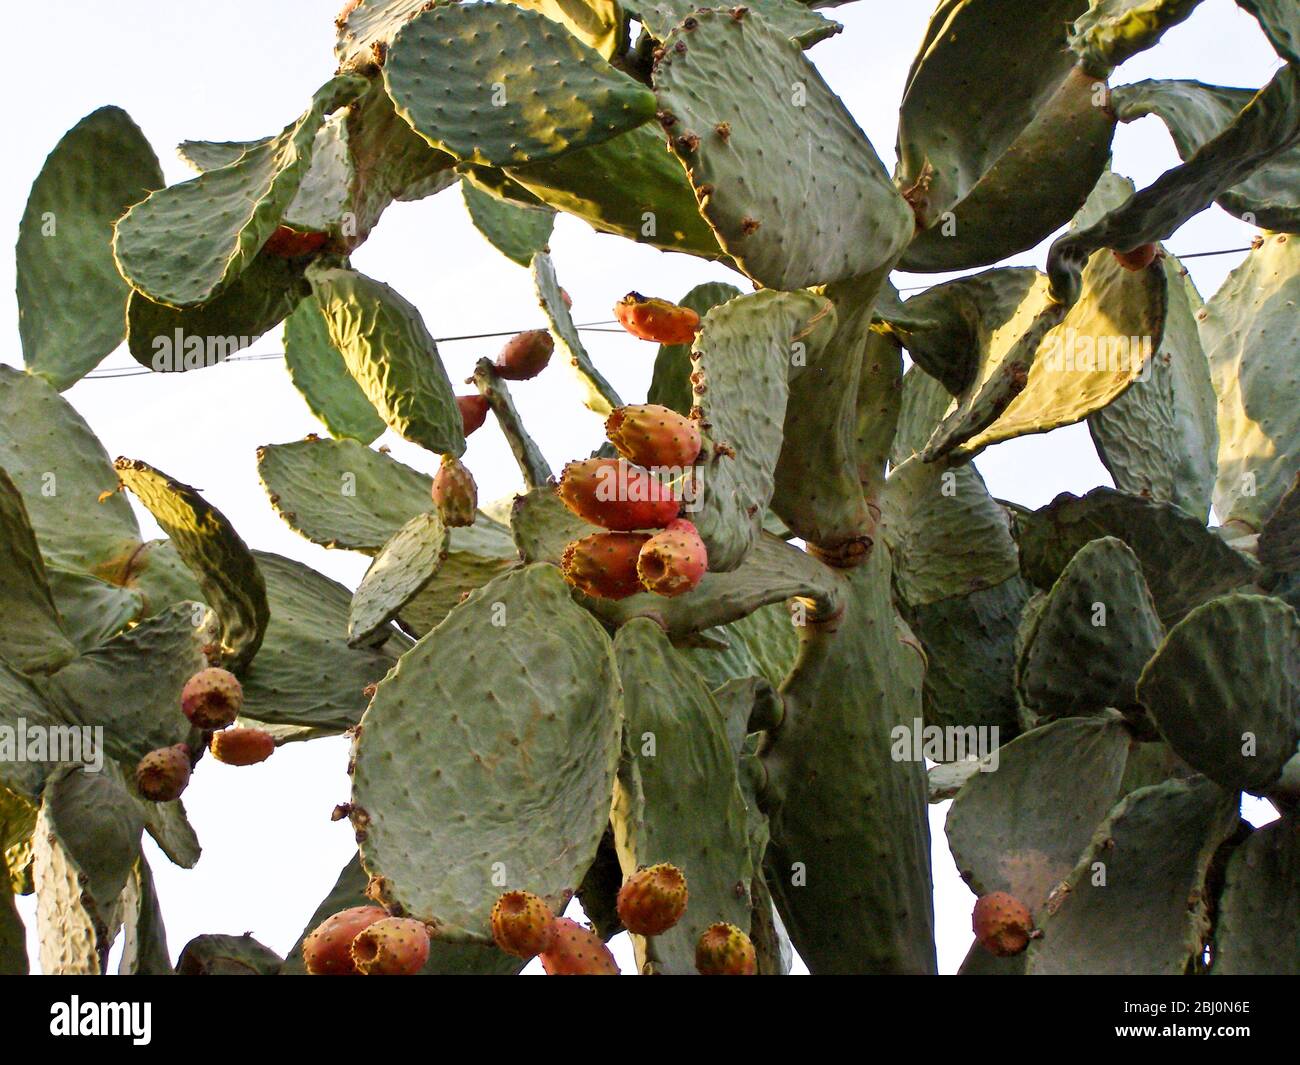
(240, 69)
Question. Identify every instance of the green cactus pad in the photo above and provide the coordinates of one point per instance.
(1183, 562)
(965, 106)
(771, 639)
(21, 702)
(969, 643)
(92, 610)
(947, 535)
(742, 354)
(226, 955)
(599, 24)
(1266, 127)
(796, 20)
(598, 394)
(1149, 916)
(1256, 931)
(61, 469)
(390, 354)
(214, 155)
(1279, 540)
(1280, 23)
(476, 554)
(305, 673)
(1195, 114)
(946, 779)
(791, 186)
(542, 526)
(170, 828)
(532, 463)
(131, 685)
(678, 798)
(156, 572)
(210, 547)
(70, 296)
(1112, 31)
(320, 374)
(517, 232)
(1224, 689)
(506, 112)
(170, 340)
(33, 639)
(340, 493)
(922, 406)
(1160, 438)
(1249, 330)
(514, 727)
(670, 385)
(631, 186)
(407, 563)
(1020, 824)
(854, 891)
(184, 244)
(1092, 637)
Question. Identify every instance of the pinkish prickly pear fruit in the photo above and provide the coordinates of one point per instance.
(568, 300)
(286, 243)
(162, 775)
(211, 698)
(522, 924)
(1002, 924)
(653, 900)
(473, 412)
(395, 946)
(242, 746)
(604, 564)
(455, 492)
(651, 435)
(1139, 258)
(724, 950)
(525, 355)
(655, 319)
(615, 494)
(674, 561)
(577, 951)
(327, 950)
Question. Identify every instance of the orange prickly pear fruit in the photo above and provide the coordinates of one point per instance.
(394, 946)
(473, 412)
(724, 950)
(674, 561)
(653, 900)
(1139, 258)
(242, 746)
(286, 243)
(163, 774)
(522, 924)
(615, 494)
(604, 565)
(577, 951)
(652, 435)
(1002, 924)
(525, 355)
(455, 492)
(327, 950)
(655, 319)
(211, 698)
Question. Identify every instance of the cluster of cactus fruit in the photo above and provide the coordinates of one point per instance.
(724, 646)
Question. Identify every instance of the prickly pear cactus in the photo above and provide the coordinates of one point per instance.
(838, 602)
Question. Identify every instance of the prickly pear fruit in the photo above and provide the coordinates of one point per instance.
(653, 900)
(673, 561)
(211, 698)
(395, 946)
(473, 412)
(286, 243)
(522, 924)
(577, 951)
(455, 492)
(525, 355)
(162, 775)
(651, 435)
(604, 564)
(655, 319)
(327, 950)
(724, 950)
(615, 494)
(242, 746)
(1138, 259)
(1002, 924)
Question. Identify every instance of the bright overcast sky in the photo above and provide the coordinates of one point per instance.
(240, 69)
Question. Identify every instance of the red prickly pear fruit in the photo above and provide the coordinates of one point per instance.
(614, 494)
(242, 746)
(455, 492)
(1139, 258)
(394, 946)
(211, 698)
(724, 950)
(577, 951)
(604, 564)
(473, 412)
(163, 774)
(653, 900)
(327, 950)
(568, 300)
(522, 924)
(651, 435)
(655, 319)
(525, 355)
(674, 561)
(286, 243)
(1002, 924)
